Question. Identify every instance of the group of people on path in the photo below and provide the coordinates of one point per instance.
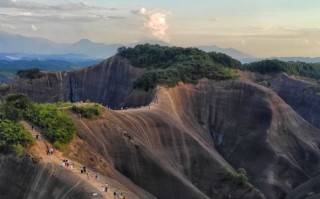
(49, 151)
(118, 195)
(83, 170)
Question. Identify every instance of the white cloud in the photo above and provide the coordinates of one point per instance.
(7, 26)
(34, 27)
(157, 24)
(155, 21)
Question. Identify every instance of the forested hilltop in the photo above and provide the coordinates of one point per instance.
(311, 70)
(170, 65)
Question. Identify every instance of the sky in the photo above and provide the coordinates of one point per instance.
(257, 27)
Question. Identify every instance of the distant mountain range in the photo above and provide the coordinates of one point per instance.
(17, 47)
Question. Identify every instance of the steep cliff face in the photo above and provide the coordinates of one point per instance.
(109, 83)
(302, 95)
(22, 178)
(51, 87)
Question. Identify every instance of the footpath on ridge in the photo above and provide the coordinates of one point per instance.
(42, 144)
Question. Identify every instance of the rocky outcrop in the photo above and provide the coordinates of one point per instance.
(303, 95)
(109, 83)
(22, 178)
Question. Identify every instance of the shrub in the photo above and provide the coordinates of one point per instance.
(19, 101)
(14, 107)
(18, 149)
(13, 136)
(88, 111)
(57, 145)
(238, 177)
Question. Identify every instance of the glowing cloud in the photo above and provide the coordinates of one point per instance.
(156, 22)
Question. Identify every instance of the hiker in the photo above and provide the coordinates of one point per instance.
(114, 195)
(32, 127)
(48, 152)
(121, 196)
(37, 136)
(102, 188)
(85, 169)
(106, 187)
(97, 177)
(118, 194)
(88, 175)
(72, 166)
(51, 151)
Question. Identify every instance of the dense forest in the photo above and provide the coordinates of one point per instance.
(170, 65)
(291, 68)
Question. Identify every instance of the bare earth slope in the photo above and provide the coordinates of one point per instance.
(22, 178)
(178, 146)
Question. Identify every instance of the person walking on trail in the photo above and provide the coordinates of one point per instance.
(106, 187)
(88, 175)
(121, 196)
(72, 166)
(37, 136)
(114, 194)
(32, 127)
(97, 177)
(118, 194)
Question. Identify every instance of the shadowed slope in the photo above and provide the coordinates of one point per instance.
(22, 178)
(109, 82)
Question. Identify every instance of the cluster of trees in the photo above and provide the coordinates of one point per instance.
(14, 107)
(90, 111)
(291, 68)
(55, 124)
(32, 73)
(170, 65)
(13, 137)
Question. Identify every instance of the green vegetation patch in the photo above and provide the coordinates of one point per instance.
(14, 107)
(238, 177)
(32, 73)
(56, 125)
(170, 65)
(13, 137)
(291, 68)
(89, 111)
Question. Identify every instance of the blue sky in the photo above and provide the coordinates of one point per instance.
(261, 28)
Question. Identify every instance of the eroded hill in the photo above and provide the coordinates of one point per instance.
(180, 145)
